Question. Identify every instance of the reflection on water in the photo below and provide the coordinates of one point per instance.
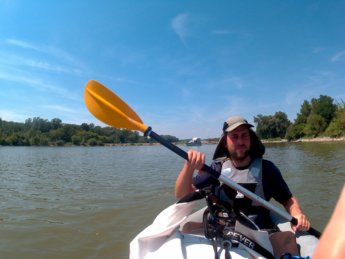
(80, 202)
(315, 173)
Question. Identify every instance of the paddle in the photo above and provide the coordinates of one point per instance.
(110, 109)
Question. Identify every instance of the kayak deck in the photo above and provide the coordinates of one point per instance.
(177, 232)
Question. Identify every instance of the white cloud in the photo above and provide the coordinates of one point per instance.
(50, 50)
(21, 44)
(338, 56)
(179, 25)
(59, 108)
(10, 115)
(32, 81)
(14, 60)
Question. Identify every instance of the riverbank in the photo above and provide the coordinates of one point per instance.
(206, 142)
(321, 139)
(215, 141)
(318, 139)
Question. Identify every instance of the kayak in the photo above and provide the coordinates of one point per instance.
(177, 232)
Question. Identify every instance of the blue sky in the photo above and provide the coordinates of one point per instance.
(183, 66)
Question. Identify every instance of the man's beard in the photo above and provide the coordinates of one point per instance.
(239, 155)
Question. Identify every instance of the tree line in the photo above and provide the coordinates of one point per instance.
(41, 132)
(319, 117)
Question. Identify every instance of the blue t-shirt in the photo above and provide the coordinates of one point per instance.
(273, 183)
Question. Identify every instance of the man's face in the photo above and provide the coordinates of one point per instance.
(238, 142)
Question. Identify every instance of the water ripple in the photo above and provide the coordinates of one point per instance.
(81, 202)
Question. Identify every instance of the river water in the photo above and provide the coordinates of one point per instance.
(89, 202)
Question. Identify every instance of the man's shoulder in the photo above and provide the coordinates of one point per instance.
(267, 162)
(268, 165)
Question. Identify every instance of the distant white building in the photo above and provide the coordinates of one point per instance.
(194, 142)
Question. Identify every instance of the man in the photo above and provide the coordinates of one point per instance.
(239, 155)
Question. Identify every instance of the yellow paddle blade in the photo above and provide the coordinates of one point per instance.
(110, 109)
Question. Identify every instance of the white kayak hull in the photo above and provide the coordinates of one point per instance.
(166, 238)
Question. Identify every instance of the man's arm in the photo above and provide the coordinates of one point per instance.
(184, 181)
(293, 208)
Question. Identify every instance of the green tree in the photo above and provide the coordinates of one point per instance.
(316, 124)
(38, 124)
(262, 125)
(272, 126)
(325, 107)
(281, 123)
(304, 113)
(85, 126)
(313, 118)
(67, 132)
(11, 139)
(56, 123)
(295, 131)
(337, 126)
(170, 138)
(84, 136)
(56, 135)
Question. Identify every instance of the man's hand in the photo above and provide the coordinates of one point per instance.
(196, 159)
(292, 207)
(303, 223)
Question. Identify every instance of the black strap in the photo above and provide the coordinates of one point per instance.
(214, 245)
(226, 246)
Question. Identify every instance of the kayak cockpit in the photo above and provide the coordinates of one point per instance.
(177, 232)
